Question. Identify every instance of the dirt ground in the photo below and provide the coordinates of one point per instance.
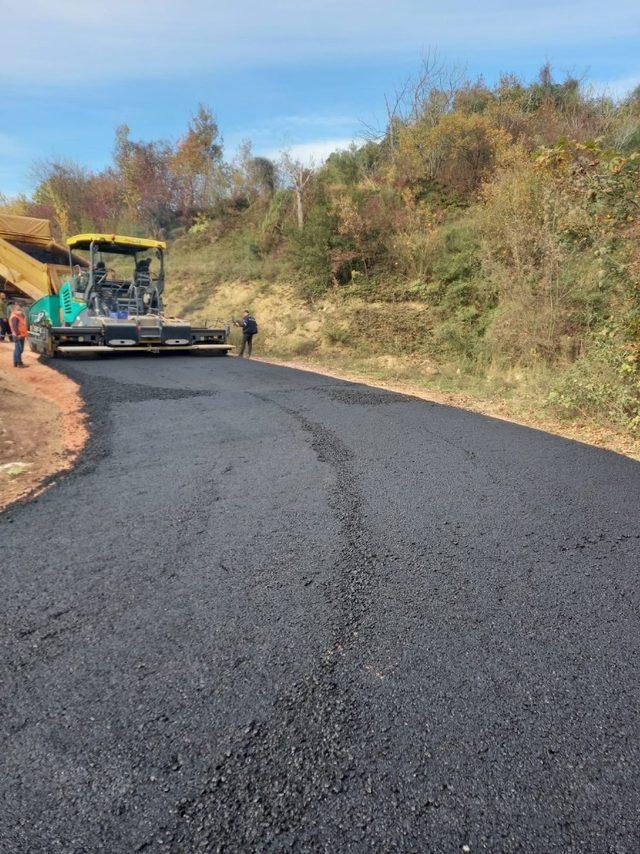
(42, 425)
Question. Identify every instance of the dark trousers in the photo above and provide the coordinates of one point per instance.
(18, 347)
(247, 341)
(4, 328)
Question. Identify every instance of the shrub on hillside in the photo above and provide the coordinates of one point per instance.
(523, 254)
(459, 152)
(602, 383)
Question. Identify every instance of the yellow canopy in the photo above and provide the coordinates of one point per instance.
(114, 243)
(25, 228)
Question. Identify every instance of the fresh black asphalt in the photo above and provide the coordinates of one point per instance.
(272, 611)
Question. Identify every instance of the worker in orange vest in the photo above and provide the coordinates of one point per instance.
(18, 326)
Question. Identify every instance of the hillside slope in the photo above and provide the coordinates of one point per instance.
(489, 244)
(373, 341)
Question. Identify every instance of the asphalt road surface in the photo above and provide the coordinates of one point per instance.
(272, 611)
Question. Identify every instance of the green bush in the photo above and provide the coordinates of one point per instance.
(309, 250)
(602, 383)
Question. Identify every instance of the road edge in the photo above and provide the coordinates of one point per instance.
(605, 439)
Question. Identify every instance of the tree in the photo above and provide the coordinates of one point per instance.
(253, 176)
(148, 181)
(62, 189)
(17, 205)
(263, 175)
(459, 152)
(426, 95)
(299, 177)
(197, 162)
(103, 204)
(360, 221)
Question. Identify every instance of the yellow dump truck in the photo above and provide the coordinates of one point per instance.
(32, 264)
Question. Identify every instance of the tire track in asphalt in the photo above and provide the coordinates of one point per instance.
(275, 775)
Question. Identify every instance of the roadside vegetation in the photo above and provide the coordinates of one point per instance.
(487, 240)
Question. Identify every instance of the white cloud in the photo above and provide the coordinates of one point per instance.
(311, 135)
(314, 152)
(73, 41)
(617, 88)
(289, 126)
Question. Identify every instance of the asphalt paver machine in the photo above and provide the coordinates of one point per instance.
(113, 301)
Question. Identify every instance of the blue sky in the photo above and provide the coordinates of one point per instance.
(298, 74)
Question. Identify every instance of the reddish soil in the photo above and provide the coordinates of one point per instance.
(42, 425)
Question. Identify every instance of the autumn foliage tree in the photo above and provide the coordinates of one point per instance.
(151, 187)
(197, 164)
(63, 191)
(148, 183)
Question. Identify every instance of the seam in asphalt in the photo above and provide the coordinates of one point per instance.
(275, 774)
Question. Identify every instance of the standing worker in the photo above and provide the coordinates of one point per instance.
(18, 326)
(4, 316)
(249, 329)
